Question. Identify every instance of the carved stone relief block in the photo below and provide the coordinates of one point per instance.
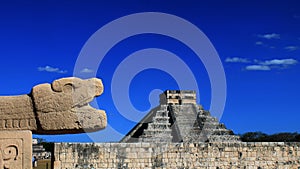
(15, 149)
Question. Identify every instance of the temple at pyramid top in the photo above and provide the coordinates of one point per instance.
(178, 97)
(179, 118)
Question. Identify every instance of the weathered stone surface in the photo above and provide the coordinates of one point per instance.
(15, 149)
(16, 112)
(57, 108)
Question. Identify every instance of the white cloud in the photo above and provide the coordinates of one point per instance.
(280, 62)
(51, 69)
(258, 67)
(259, 43)
(270, 36)
(86, 70)
(264, 64)
(237, 60)
(291, 48)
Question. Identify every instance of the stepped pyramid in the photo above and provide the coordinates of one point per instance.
(179, 118)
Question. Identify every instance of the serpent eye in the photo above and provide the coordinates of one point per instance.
(66, 84)
(68, 88)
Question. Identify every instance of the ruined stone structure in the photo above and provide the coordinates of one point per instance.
(239, 155)
(58, 108)
(179, 119)
(39, 151)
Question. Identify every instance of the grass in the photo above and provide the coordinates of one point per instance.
(42, 164)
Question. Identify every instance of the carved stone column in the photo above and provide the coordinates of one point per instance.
(15, 149)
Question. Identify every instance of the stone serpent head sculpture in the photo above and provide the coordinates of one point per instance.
(58, 108)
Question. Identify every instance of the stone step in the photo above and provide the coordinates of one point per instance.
(158, 130)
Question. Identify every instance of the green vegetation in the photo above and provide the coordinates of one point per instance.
(49, 146)
(262, 137)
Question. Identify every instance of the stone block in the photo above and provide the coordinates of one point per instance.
(15, 149)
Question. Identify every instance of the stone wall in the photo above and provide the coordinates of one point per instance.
(259, 155)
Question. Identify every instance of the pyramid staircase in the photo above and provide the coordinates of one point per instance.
(159, 129)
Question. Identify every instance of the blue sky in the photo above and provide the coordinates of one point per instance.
(258, 43)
